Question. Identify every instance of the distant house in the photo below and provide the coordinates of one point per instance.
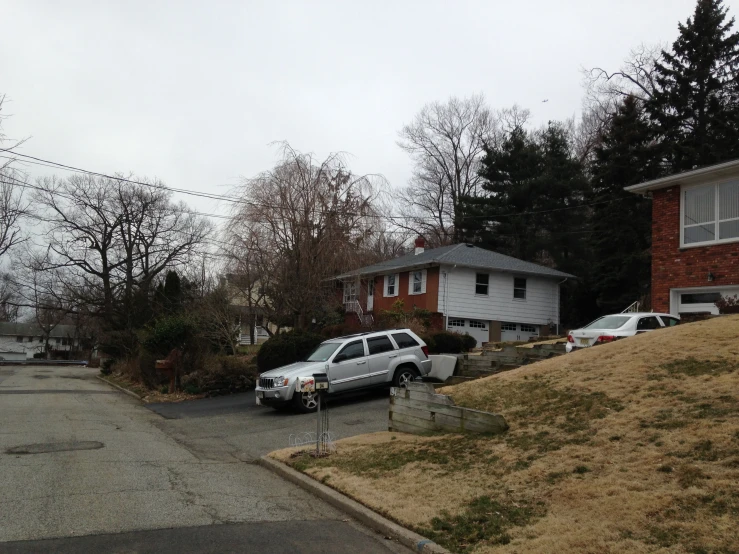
(695, 238)
(487, 295)
(247, 306)
(27, 338)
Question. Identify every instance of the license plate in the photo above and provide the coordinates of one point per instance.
(260, 394)
(584, 342)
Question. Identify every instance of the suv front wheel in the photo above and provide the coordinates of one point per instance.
(404, 375)
(305, 402)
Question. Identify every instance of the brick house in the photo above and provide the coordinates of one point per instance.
(467, 289)
(695, 238)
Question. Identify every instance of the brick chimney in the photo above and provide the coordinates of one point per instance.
(419, 246)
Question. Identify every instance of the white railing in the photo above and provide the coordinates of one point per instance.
(633, 307)
(354, 306)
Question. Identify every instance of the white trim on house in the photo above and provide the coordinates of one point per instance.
(716, 215)
(677, 307)
(695, 176)
(396, 284)
(417, 277)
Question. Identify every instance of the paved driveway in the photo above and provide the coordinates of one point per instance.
(236, 426)
(86, 468)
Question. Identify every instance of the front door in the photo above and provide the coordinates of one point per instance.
(370, 294)
(381, 354)
(349, 369)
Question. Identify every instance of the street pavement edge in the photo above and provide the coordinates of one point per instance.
(361, 513)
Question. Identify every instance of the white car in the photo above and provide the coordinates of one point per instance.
(617, 326)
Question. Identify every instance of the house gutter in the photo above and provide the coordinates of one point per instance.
(686, 177)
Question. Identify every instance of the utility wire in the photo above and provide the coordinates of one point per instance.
(233, 199)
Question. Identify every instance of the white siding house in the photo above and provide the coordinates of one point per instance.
(467, 289)
(520, 303)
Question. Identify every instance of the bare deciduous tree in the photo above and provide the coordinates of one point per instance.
(12, 204)
(605, 91)
(112, 238)
(305, 221)
(446, 142)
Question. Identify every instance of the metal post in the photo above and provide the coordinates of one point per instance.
(318, 426)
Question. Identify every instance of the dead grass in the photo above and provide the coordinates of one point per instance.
(147, 395)
(627, 447)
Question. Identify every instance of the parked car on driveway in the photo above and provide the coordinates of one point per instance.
(353, 362)
(617, 326)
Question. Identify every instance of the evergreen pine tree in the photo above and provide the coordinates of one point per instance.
(621, 221)
(696, 102)
(511, 174)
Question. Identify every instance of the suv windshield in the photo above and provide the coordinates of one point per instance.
(323, 352)
(608, 322)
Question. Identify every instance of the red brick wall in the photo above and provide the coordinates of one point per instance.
(673, 267)
(429, 300)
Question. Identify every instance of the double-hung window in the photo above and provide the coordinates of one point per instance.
(710, 213)
(417, 282)
(391, 285)
(519, 288)
(482, 282)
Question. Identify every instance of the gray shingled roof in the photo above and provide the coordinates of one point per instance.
(33, 330)
(458, 254)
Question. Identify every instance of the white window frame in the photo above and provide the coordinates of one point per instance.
(506, 326)
(456, 322)
(716, 212)
(396, 282)
(486, 285)
(412, 282)
(525, 288)
(351, 292)
(478, 324)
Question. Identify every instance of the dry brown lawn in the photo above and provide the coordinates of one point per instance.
(627, 447)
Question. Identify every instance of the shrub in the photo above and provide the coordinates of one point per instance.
(468, 342)
(445, 342)
(222, 375)
(417, 320)
(286, 348)
(728, 304)
(39, 355)
(171, 332)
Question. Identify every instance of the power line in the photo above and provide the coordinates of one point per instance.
(236, 200)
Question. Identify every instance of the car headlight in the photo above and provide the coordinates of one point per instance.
(281, 381)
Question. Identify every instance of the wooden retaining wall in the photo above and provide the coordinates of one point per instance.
(419, 410)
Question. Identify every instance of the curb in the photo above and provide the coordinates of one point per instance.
(361, 513)
(128, 392)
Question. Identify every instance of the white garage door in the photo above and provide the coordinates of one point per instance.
(476, 328)
(518, 331)
(700, 300)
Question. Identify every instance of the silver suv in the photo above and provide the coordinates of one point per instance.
(353, 362)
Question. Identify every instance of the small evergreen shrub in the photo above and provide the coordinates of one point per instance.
(286, 348)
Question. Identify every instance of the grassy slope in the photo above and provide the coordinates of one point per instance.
(627, 447)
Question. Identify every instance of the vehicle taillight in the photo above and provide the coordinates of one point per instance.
(570, 339)
(606, 338)
(425, 350)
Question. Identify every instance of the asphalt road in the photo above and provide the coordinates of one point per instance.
(86, 468)
(236, 426)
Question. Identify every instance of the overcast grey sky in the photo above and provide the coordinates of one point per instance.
(194, 92)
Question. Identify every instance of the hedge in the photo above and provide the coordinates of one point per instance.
(286, 348)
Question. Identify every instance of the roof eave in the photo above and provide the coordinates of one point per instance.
(685, 178)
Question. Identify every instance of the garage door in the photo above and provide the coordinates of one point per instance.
(518, 331)
(701, 300)
(476, 328)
